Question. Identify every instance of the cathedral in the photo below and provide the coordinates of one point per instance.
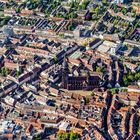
(79, 78)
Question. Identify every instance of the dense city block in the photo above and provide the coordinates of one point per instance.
(69, 69)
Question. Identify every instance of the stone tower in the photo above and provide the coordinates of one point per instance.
(65, 71)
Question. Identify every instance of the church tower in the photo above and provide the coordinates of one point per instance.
(65, 71)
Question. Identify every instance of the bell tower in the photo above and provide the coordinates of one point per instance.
(65, 71)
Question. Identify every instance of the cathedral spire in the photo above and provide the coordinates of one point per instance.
(65, 64)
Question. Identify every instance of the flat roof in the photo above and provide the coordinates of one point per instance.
(103, 48)
(109, 43)
(76, 55)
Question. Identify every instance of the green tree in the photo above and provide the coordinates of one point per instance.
(74, 136)
(18, 10)
(104, 2)
(4, 71)
(99, 69)
(125, 80)
(73, 15)
(113, 91)
(115, 22)
(69, 27)
(97, 10)
(55, 59)
(83, 5)
(124, 11)
(137, 76)
(87, 100)
(38, 137)
(68, 136)
(18, 72)
(92, 93)
(130, 77)
(5, 20)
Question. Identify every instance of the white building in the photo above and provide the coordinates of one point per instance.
(64, 126)
(118, 1)
(109, 47)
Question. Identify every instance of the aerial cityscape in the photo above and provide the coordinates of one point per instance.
(69, 69)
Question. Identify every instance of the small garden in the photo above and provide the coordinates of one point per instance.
(131, 77)
(4, 20)
(68, 136)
